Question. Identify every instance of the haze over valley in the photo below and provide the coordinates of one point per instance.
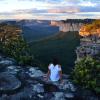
(48, 39)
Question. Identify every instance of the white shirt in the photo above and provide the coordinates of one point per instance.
(54, 72)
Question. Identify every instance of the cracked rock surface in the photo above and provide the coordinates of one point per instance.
(27, 83)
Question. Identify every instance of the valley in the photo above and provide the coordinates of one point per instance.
(49, 39)
(62, 46)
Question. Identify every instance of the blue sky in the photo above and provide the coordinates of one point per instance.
(49, 9)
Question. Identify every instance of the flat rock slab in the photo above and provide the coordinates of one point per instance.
(4, 63)
(8, 82)
(13, 69)
(34, 72)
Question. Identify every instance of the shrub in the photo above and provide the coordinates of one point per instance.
(87, 73)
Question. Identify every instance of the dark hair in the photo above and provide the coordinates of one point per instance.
(55, 61)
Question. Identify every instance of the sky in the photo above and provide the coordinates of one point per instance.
(49, 9)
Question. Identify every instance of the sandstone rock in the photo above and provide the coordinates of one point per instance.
(13, 69)
(58, 96)
(48, 96)
(38, 88)
(69, 95)
(33, 72)
(66, 85)
(34, 87)
(8, 82)
(40, 96)
(25, 94)
(6, 62)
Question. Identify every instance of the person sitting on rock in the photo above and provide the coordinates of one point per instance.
(54, 71)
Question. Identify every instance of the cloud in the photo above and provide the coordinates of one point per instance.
(46, 9)
(87, 4)
(64, 10)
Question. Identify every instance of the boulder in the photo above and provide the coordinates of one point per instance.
(4, 63)
(67, 86)
(69, 95)
(58, 96)
(48, 96)
(38, 88)
(8, 82)
(25, 94)
(34, 72)
(13, 69)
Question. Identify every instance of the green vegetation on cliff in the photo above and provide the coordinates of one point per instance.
(13, 45)
(87, 73)
(87, 69)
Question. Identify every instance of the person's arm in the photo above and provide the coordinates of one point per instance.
(60, 72)
(48, 73)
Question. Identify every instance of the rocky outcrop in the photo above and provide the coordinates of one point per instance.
(19, 83)
(71, 24)
(8, 82)
(88, 47)
(66, 27)
(28, 83)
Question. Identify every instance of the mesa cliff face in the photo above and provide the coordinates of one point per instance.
(70, 24)
(90, 41)
(66, 27)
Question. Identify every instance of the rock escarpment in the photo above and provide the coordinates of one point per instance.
(88, 47)
(27, 83)
(67, 26)
(70, 24)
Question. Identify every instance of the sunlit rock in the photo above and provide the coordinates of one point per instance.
(67, 26)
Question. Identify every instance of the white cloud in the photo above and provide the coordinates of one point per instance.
(87, 4)
(52, 8)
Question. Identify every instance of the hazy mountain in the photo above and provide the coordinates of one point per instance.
(34, 29)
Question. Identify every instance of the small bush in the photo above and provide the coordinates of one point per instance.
(87, 73)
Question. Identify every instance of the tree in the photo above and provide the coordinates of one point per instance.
(8, 32)
(87, 73)
(13, 44)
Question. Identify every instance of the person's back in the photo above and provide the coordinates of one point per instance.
(54, 72)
